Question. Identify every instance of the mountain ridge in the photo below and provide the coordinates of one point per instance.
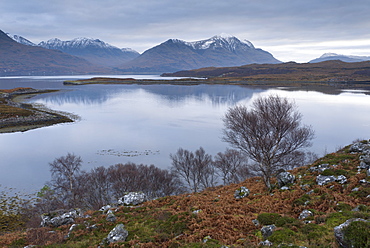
(174, 55)
(20, 59)
(341, 57)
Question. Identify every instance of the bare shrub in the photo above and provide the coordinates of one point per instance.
(268, 133)
(232, 166)
(196, 169)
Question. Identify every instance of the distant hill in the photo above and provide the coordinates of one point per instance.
(19, 59)
(93, 50)
(327, 71)
(341, 57)
(174, 55)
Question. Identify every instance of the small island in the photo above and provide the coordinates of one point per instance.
(16, 116)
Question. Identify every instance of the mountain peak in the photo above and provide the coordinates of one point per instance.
(325, 55)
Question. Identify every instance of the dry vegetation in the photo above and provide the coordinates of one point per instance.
(171, 221)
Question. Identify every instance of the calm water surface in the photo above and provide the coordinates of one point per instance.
(144, 124)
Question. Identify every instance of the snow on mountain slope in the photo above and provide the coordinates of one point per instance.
(225, 41)
(21, 39)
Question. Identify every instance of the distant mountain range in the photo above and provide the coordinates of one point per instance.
(93, 50)
(20, 59)
(170, 56)
(341, 57)
(218, 51)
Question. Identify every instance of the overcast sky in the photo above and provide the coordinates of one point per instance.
(292, 30)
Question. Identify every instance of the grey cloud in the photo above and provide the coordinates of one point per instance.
(142, 24)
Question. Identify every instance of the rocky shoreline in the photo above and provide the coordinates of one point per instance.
(39, 117)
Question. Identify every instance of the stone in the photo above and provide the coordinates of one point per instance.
(320, 168)
(118, 234)
(284, 188)
(71, 230)
(341, 179)
(256, 222)
(111, 217)
(322, 180)
(133, 199)
(339, 232)
(266, 243)
(305, 214)
(105, 208)
(285, 178)
(241, 192)
(359, 147)
(267, 231)
(59, 218)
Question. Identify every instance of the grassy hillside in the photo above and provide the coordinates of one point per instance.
(214, 217)
(334, 71)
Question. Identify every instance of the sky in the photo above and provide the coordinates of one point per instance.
(292, 30)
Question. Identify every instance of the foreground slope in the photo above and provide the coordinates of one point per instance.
(214, 217)
(19, 59)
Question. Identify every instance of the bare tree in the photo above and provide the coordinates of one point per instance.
(232, 166)
(196, 169)
(64, 171)
(268, 132)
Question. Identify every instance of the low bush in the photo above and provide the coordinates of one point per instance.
(357, 234)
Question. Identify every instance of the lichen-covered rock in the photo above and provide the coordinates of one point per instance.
(111, 217)
(105, 208)
(285, 178)
(320, 168)
(305, 214)
(340, 234)
(119, 233)
(133, 198)
(360, 147)
(267, 231)
(241, 192)
(59, 218)
(266, 243)
(322, 180)
(365, 161)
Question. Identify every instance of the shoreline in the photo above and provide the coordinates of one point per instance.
(37, 117)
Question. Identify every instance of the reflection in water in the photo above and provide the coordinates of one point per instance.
(175, 95)
(144, 124)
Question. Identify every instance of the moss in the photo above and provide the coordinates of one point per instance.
(357, 234)
(283, 236)
(302, 200)
(342, 207)
(332, 172)
(288, 222)
(268, 218)
(361, 193)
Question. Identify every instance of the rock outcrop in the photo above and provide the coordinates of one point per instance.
(241, 192)
(133, 199)
(285, 178)
(118, 234)
(60, 217)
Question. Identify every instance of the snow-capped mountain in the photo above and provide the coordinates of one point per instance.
(93, 50)
(220, 50)
(21, 39)
(20, 59)
(225, 41)
(344, 58)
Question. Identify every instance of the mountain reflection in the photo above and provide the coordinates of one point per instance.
(171, 94)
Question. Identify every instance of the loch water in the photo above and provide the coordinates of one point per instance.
(146, 123)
